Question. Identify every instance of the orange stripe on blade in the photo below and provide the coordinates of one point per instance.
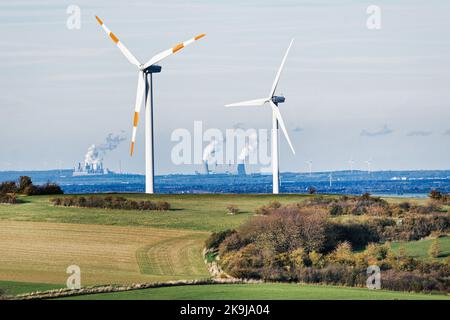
(178, 47)
(132, 148)
(99, 20)
(113, 37)
(200, 36)
(136, 118)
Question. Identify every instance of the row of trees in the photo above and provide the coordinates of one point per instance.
(25, 186)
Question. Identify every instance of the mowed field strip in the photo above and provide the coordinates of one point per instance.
(41, 252)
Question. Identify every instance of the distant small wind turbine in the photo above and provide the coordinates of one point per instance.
(277, 121)
(369, 164)
(331, 179)
(309, 163)
(351, 162)
(145, 92)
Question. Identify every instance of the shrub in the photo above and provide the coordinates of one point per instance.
(8, 187)
(233, 242)
(342, 254)
(8, 198)
(245, 263)
(24, 182)
(216, 238)
(440, 197)
(268, 209)
(413, 281)
(405, 206)
(232, 209)
(336, 210)
(299, 258)
(56, 201)
(46, 189)
(312, 190)
(378, 251)
(316, 259)
(162, 206)
(333, 275)
(435, 194)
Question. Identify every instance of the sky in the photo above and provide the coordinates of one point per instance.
(351, 92)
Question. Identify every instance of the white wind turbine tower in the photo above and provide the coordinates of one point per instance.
(277, 121)
(351, 162)
(145, 92)
(309, 163)
(369, 164)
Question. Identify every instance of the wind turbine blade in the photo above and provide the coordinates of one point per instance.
(276, 110)
(119, 44)
(256, 102)
(277, 78)
(137, 108)
(162, 55)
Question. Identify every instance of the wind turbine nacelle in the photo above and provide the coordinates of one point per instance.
(278, 99)
(153, 69)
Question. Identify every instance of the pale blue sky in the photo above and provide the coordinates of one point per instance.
(381, 95)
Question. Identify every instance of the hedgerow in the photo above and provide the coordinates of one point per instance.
(111, 202)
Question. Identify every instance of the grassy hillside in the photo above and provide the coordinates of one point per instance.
(419, 249)
(15, 287)
(205, 212)
(259, 291)
(194, 212)
(38, 241)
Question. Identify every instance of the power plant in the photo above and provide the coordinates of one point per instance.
(88, 169)
(241, 169)
(93, 163)
(93, 159)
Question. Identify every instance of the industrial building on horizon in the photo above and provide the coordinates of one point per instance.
(90, 169)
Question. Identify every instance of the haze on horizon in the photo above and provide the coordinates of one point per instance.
(350, 92)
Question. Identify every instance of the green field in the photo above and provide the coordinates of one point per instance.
(38, 241)
(274, 291)
(15, 287)
(193, 212)
(419, 249)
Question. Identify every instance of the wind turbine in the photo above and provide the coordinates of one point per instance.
(145, 91)
(309, 163)
(277, 121)
(369, 163)
(351, 162)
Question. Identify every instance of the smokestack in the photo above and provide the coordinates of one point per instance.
(241, 169)
(251, 146)
(209, 154)
(205, 167)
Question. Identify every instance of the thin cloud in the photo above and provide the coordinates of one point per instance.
(382, 132)
(419, 133)
(239, 125)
